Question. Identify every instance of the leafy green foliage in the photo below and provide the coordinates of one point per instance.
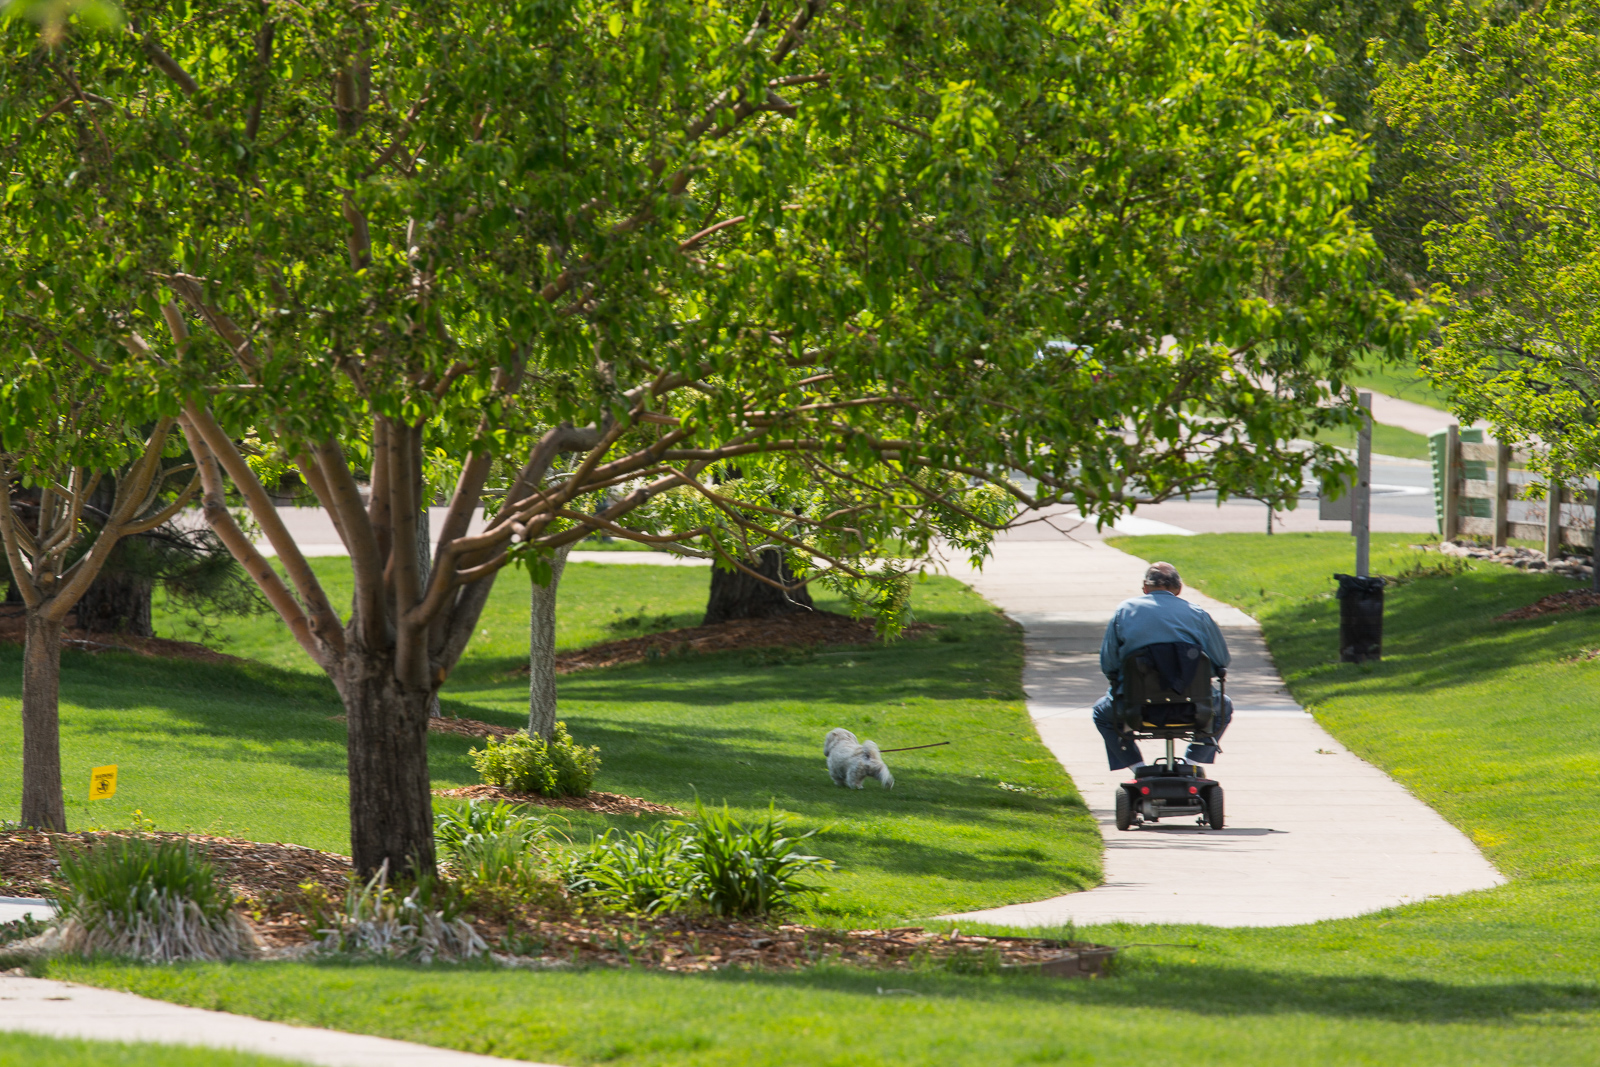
(497, 853)
(642, 871)
(18, 929)
(528, 763)
(454, 826)
(748, 869)
(716, 863)
(1503, 107)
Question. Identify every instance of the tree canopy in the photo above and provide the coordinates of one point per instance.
(1503, 104)
(929, 258)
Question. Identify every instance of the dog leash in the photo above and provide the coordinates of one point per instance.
(913, 748)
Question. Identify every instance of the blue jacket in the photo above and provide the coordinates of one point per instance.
(1152, 619)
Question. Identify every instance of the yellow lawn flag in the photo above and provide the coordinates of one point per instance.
(103, 782)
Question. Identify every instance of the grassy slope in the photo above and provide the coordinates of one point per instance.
(595, 604)
(38, 1051)
(731, 727)
(1488, 721)
(1386, 441)
(1404, 382)
(250, 750)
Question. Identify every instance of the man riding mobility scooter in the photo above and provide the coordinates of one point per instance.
(1167, 694)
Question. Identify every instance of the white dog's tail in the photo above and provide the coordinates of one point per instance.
(880, 768)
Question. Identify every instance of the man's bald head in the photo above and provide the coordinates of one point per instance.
(1162, 576)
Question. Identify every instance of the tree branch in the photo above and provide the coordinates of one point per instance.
(324, 621)
(213, 506)
(366, 565)
(151, 44)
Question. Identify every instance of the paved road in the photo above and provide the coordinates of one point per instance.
(1312, 832)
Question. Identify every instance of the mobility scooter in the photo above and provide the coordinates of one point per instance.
(1167, 694)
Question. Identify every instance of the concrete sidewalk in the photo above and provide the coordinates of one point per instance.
(64, 1009)
(1418, 418)
(1312, 832)
(15, 908)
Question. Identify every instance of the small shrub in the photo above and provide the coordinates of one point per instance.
(716, 864)
(530, 764)
(153, 901)
(423, 925)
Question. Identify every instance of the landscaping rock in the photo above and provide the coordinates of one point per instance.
(1522, 559)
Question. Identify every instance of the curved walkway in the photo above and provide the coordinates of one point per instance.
(1312, 832)
(66, 1009)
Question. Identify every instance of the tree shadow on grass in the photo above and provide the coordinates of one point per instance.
(739, 764)
(1193, 989)
(1219, 990)
(285, 712)
(1436, 636)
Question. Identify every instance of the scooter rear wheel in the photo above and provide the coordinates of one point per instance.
(1211, 804)
(1124, 808)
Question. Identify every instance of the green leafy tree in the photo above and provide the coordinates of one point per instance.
(63, 428)
(1503, 105)
(1069, 251)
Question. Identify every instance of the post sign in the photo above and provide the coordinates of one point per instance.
(103, 782)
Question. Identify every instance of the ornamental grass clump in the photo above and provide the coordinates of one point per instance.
(497, 854)
(421, 926)
(530, 764)
(155, 901)
(714, 864)
(644, 872)
(748, 870)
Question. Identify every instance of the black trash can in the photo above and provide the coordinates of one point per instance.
(1360, 618)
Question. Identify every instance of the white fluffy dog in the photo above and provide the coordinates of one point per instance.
(852, 762)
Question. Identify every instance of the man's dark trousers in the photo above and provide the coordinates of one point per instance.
(1122, 752)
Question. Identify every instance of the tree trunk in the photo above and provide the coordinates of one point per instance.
(542, 650)
(736, 595)
(391, 808)
(425, 568)
(42, 803)
(117, 603)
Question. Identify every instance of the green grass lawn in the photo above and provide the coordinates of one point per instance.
(597, 602)
(1405, 382)
(1490, 722)
(1386, 441)
(57, 1052)
(251, 750)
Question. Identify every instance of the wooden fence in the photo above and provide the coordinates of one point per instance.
(1517, 506)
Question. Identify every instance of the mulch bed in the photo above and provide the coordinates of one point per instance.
(1555, 604)
(691, 945)
(814, 629)
(13, 631)
(268, 877)
(596, 801)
